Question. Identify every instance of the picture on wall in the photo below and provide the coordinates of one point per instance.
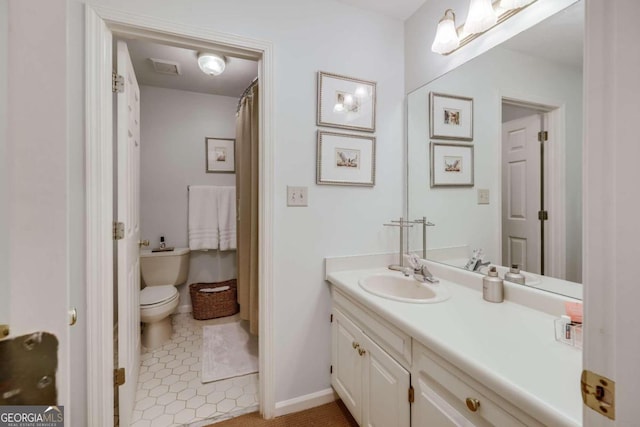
(345, 159)
(220, 155)
(451, 117)
(451, 165)
(346, 102)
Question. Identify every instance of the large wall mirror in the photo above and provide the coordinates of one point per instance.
(523, 204)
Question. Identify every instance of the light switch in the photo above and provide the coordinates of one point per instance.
(483, 196)
(297, 196)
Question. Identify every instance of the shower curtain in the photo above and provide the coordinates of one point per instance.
(247, 206)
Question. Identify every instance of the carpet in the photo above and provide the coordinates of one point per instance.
(228, 350)
(333, 414)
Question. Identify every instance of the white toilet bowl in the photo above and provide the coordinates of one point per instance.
(161, 273)
(156, 305)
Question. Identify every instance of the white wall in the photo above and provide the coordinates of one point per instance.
(5, 303)
(173, 126)
(422, 65)
(459, 219)
(308, 36)
(40, 252)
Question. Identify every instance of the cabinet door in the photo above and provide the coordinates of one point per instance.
(385, 388)
(346, 376)
(430, 409)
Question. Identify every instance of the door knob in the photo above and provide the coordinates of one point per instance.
(143, 243)
(73, 316)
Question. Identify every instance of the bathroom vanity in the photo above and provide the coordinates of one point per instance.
(461, 361)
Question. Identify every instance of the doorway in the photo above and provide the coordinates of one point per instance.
(533, 187)
(102, 25)
(205, 368)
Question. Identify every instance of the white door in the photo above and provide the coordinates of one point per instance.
(346, 375)
(128, 258)
(521, 193)
(385, 386)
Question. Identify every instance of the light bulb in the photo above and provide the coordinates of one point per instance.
(361, 92)
(446, 38)
(338, 108)
(211, 64)
(481, 17)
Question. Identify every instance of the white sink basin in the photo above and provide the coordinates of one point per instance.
(406, 289)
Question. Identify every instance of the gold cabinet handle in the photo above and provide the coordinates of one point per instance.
(73, 316)
(362, 351)
(355, 345)
(143, 243)
(472, 404)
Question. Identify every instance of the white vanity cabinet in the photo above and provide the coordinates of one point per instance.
(446, 397)
(373, 386)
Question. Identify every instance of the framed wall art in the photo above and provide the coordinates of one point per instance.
(346, 102)
(451, 117)
(220, 155)
(451, 165)
(345, 159)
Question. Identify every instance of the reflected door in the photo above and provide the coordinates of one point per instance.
(521, 193)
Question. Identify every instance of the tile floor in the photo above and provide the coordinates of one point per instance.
(169, 389)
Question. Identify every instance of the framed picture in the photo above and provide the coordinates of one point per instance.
(451, 117)
(220, 155)
(451, 165)
(346, 103)
(345, 159)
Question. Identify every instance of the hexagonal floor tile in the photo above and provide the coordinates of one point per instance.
(185, 416)
(195, 402)
(187, 394)
(206, 410)
(153, 412)
(215, 397)
(175, 407)
(170, 380)
(158, 391)
(226, 405)
(233, 392)
(164, 420)
(167, 398)
(178, 387)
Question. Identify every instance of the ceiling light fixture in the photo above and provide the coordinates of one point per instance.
(482, 17)
(446, 35)
(211, 64)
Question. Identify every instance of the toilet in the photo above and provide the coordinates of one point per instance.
(161, 273)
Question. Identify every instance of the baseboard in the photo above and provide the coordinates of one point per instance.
(307, 401)
(183, 309)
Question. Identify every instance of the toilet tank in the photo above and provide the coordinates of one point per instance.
(164, 268)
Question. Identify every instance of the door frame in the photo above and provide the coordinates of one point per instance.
(555, 182)
(100, 25)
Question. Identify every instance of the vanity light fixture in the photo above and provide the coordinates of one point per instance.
(514, 4)
(211, 64)
(446, 35)
(483, 15)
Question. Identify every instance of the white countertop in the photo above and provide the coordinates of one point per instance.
(507, 347)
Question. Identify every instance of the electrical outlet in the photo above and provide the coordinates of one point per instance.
(483, 196)
(297, 196)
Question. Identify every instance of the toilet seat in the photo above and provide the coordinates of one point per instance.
(152, 296)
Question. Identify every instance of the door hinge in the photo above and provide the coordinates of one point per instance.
(599, 393)
(118, 230)
(543, 215)
(117, 83)
(411, 394)
(119, 377)
(331, 320)
(543, 136)
(331, 369)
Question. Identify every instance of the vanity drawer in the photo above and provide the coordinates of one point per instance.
(443, 389)
(387, 336)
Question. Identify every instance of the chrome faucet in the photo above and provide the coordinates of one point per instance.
(480, 264)
(420, 271)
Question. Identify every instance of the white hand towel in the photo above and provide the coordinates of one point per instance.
(203, 217)
(227, 218)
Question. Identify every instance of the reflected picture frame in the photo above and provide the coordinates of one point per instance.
(346, 102)
(220, 155)
(346, 159)
(451, 165)
(450, 117)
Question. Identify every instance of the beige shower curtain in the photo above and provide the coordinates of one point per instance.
(247, 195)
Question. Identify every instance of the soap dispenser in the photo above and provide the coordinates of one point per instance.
(514, 275)
(492, 286)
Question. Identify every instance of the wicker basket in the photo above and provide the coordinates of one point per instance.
(209, 305)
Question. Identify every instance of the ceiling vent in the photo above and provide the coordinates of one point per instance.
(163, 66)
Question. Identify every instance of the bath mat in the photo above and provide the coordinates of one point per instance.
(228, 350)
